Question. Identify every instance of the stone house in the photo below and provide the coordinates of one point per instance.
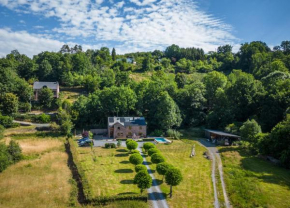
(127, 127)
(37, 86)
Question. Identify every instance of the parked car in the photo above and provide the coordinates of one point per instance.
(86, 143)
(83, 139)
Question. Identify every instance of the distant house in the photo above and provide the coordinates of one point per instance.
(127, 127)
(37, 86)
(221, 137)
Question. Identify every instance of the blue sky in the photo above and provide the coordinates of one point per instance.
(33, 26)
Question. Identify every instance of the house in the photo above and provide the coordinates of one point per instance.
(126, 127)
(221, 137)
(37, 86)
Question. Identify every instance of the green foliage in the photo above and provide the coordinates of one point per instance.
(157, 158)
(43, 118)
(65, 123)
(5, 157)
(143, 180)
(131, 145)
(153, 150)
(15, 151)
(8, 103)
(110, 145)
(140, 168)
(45, 97)
(2, 129)
(173, 177)
(134, 151)
(173, 133)
(249, 130)
(136, 159)
(157, 133)
(6, 121)
(148, 145)
(162, 168)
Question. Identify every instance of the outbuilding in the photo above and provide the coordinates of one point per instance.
(38, 86)
(221, 137)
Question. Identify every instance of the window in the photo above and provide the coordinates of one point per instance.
(119, 128)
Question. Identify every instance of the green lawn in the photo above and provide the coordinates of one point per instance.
(253, 182)
(111, 174)
(196, 189)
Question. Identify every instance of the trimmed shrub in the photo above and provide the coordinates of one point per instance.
(110, 145)
(153, 150)
(162, 168)
(131, 145)
(157, 158)
(143, 180)
(136, 159)
(140, 168)
(147, 146)
(173, 177)
(119, 143)
(135, 151)
(128, 140)
(15, 151)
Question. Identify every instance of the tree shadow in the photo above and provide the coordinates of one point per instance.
(127, 182)
(157, 196)
(157, 182)
(147, 163)
(125, 162)
(124, 171)
(121, 150)
(122, 155)
(125, 193)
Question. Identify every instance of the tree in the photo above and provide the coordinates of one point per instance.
(114, 54)
(162, 168)
(45, 97)
(15, 151)
(2, 129)
(140, 168)
(148, 145)
(173, 177)
(157, 158)
(136, 159)
(9, 103)
(131, 145)
(146, 64)
(143, 180)
(5, 157)
(153, 150)
(180, 79)
(64, 120)
(249, 130)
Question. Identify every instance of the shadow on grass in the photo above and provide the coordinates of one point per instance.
(122, 155)
(125, 162)
(125, 193)
(124, 171)
(156, 196)
(157, 182)
(127, 182)
(121, 150)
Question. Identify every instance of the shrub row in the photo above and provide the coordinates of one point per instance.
(84, 180)
(101, 200)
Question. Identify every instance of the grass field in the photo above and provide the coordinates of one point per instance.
(40, 180)
(111, 174)
(196, 188)
(253, 182)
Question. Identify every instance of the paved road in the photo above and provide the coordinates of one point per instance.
(216, 158)
(24, 123)
(155, 194)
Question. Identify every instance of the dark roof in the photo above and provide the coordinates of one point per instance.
(127, 121)
(222, 133)
(50, 85)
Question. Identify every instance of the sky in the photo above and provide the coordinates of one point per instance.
(33, 26)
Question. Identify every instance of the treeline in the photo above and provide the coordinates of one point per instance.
(184, 87)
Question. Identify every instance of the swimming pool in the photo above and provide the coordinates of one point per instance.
(161, 140)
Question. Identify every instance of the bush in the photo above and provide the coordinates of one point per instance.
(119, 143)
(173, 177)
(131, 145)
(110, 145)
(173, 133)
(54, 127)
(135, 151)
(157, 133)
(15, 151)
(140, 168)
(148, 145)
(25, 107)
(249, 130)
(153, 150)
(157, 158)
(129, 140)
(5, 157)
(136, 159)
(2, 129)
(43, 118)
(162, 168)
(6, 121)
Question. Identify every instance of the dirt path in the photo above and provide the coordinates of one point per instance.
(24, 123)
(155, 194)
(216, 158)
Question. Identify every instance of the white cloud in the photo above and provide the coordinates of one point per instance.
(152, 25)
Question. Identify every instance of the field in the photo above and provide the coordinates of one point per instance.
(42, 178)
(110, 174)
(196, 188)
(253, 182)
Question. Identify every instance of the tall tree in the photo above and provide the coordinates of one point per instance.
(114, 54)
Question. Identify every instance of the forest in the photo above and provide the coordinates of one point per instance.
(245, 93)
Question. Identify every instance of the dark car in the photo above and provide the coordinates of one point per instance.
(83, 139)
(86, 143)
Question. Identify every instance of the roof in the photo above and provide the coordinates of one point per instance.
(222, 133)
(127, 121)
(50, 85)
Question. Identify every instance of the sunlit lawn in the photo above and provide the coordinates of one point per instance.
(253, 182)
(196, 189)
(111, 174)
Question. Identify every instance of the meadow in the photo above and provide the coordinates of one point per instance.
(42, 178)
(254, 182)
